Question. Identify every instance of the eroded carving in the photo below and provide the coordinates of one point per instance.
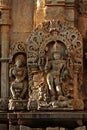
(54, 61)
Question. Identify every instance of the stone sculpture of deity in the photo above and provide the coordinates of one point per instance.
(57, 71)
(19, 72)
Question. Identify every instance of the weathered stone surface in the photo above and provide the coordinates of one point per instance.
(82, 7)
(22, 16)
(70, 15)
(54, 12)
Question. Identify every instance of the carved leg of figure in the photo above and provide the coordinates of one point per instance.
(58, 86)
(12, 88)
(50, 82)
(24, 90)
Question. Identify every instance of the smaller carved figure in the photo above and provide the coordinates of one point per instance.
(19, 84)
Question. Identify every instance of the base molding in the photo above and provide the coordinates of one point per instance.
(17, 104)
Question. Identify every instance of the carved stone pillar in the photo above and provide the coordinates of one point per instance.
(5, 23)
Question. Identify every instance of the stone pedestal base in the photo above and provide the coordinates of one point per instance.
(17, 104)
(3, 104)
(73, 104)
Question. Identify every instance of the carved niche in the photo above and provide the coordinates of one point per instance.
(54, 61)
(18, 77)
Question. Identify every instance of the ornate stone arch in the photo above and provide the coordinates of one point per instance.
(68, 41)
(56, 31)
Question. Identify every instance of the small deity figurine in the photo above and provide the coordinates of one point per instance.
(19, 72)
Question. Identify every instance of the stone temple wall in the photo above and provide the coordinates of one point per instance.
(17, 20)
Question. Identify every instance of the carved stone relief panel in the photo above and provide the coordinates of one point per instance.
(54, 61)
(18, 77)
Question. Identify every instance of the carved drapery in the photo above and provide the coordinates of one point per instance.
(54, 61)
